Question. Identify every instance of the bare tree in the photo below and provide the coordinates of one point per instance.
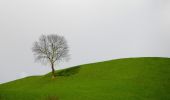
(51, 49)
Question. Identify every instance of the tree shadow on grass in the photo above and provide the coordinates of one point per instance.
(69, 71)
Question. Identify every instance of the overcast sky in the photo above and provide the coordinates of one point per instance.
(96, 30)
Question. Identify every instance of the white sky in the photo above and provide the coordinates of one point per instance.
(96, 30)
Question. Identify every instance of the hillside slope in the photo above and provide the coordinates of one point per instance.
(122, 79)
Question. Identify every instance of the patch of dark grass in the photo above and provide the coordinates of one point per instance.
(52, 98)
(1, 97)
(69, 71)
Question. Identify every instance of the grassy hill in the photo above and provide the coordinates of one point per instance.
(122, 79)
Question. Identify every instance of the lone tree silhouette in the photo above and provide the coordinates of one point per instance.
(51, 49)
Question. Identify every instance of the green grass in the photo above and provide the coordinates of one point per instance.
(122, 79)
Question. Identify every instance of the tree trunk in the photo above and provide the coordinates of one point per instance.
(53, 70)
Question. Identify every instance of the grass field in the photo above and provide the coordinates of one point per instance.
(122, 79)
